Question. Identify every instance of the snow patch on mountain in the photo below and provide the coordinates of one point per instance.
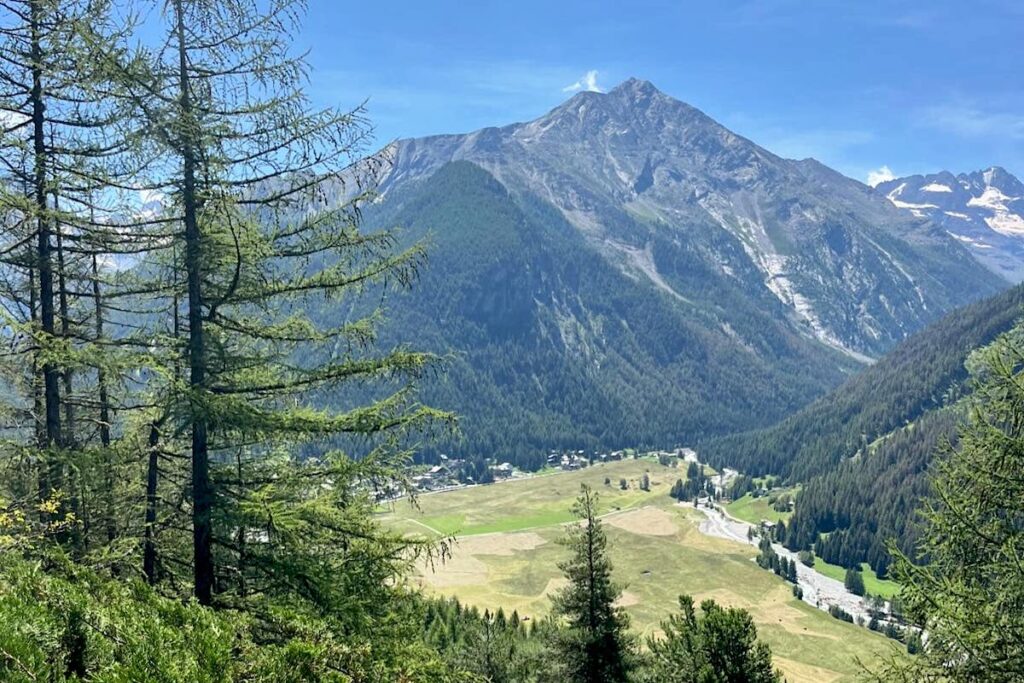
(983, 210)
(977, 244)
(917, 209)
(1002, 219)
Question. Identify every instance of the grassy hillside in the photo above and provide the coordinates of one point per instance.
(753, 510)
(507, 555)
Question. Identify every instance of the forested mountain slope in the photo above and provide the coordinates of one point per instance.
(551, 346)
(850, 513)
(917, 376)
(863, 449)
(625, 271)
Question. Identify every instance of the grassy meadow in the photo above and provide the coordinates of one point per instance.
(872, 584)
(753, 510)
(507, 553)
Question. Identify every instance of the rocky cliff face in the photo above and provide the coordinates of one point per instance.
(671, 197)
(983, 210)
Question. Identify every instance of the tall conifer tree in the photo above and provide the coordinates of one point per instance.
(595, 646)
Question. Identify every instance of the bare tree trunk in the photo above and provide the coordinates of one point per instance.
(51, 390)
(149, 546)
(80, 532)
(65, 325)
(104, 401)
(37, 397)
(202, 495)
(242, 529)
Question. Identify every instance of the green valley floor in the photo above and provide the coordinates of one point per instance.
(506, 555)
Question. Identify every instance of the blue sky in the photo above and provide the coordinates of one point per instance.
(858, 84)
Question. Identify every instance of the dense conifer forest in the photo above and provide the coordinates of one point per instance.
(864, 451)
(925, 372)
(203, 405)
(549, 346)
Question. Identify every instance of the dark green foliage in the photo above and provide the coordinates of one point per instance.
(969, 593)
(768, 559)
(779, 531)
(741, 486)
(552, 346)
(839, 613)
(914, 643)
(854, 581)
(920, 374)
(864, 502)
(696, 482)
(499, 649)
(594, 646)
(719, 646)
(67, 623)
(203, 459)
(783, 503)
(864, 449)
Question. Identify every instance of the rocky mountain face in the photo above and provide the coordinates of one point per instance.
(550, 344)
(984, 210)
(625, 271)
(657, 186)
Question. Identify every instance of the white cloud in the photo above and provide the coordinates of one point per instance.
(880, 175)
(587, 83)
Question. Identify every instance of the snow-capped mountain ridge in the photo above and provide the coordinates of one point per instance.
(983, 210)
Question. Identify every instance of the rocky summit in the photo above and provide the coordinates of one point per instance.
(626, 270)
(650, 181)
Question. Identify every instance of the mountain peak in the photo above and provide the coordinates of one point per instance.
(636, 87)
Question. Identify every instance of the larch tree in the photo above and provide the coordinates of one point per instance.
(60, 144)
(268, 192)
(166, 361)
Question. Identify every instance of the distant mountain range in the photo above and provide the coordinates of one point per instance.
(984, 210)
(626, 271)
